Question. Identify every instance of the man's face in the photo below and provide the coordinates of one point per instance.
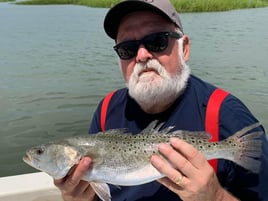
(137, 25)
(152, 77)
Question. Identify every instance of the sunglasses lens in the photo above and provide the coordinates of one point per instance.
(127, 50)
(156, 42)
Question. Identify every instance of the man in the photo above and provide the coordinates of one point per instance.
(153, 52)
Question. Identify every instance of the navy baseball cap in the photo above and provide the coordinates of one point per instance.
(120, 10)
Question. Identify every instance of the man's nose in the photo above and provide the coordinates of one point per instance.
(143, 54)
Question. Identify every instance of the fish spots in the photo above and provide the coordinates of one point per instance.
(184, 138)
(231, 143)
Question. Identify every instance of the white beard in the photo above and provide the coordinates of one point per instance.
(150, 92)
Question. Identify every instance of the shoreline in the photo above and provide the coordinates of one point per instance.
(182, 6)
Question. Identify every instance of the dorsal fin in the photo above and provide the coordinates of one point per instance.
(154, 128)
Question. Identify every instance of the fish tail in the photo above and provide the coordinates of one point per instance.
(249, 146)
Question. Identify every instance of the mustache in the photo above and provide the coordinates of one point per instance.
(151, 64)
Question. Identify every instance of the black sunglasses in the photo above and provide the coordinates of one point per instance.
(156, 42)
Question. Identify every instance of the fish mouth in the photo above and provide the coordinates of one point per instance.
(27, 158)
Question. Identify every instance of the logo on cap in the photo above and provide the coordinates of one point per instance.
(149, 1)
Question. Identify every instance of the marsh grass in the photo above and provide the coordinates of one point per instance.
(91, 3)
(180, 5)
(216, 5)
(46, 2)
(98, 3)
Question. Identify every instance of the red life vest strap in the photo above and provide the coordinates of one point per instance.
(211, 121)
(213, 118)
(104, 109)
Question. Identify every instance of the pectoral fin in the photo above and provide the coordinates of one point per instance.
(102, 190)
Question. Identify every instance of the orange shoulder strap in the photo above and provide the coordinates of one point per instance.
(104, 109)
(213, 118)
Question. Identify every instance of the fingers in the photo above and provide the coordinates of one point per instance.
(72, 185)
(79, 172)
(169, 171)
(71, 181)
(176, 160)
(183, 156)
(188, 174)
(189, 152)
(180, 158)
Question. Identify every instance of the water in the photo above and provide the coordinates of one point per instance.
(56, 63)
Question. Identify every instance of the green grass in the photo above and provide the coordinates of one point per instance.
(98, 3)
(181, 5)
(46, 2)
(91, 3)
(216, 5)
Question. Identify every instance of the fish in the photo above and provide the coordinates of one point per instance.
(121, 158)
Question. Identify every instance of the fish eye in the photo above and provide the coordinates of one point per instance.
(39, 151)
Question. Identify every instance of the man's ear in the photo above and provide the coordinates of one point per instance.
(186, 48)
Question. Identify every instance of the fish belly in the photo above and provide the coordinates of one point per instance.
(139, 176)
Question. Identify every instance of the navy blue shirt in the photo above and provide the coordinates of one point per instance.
(188, 113)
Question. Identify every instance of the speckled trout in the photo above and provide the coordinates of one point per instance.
(123, 159)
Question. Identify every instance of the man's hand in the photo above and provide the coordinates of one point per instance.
(73, 188)
(189, 176)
